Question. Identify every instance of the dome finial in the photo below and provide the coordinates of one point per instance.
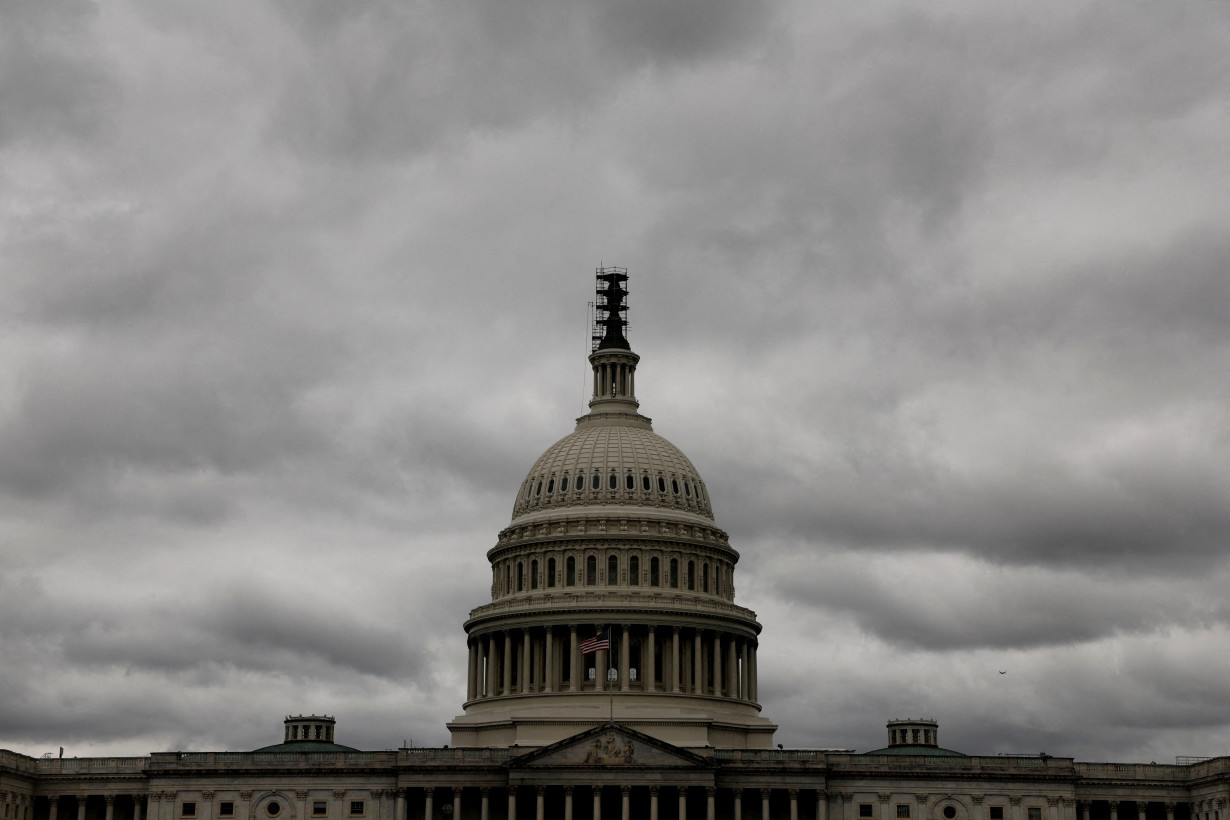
(611, 356)
(610, 312)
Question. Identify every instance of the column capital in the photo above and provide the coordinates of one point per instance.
(884, 797)
(109, 799)
(1015, 799)
(1068, 801)
(486, 790)
(245, 795)
(568, 789)
(921, 798)
(794, 793)
(339, 793)
(1052, 800)
(540, 790)
(207, 796)
(710, 790)
(625, 790)
(432, 790)
(1114, 804)
(977, 799)
(53, 798)
(765, 793)
(654, 789)
(301, 794)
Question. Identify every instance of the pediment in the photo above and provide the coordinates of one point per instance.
(611, 745)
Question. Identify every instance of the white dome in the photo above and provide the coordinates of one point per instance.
(645, 469)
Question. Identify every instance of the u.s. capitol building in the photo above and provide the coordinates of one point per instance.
(612, 675)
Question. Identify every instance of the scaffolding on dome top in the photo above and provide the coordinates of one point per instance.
(610, 322)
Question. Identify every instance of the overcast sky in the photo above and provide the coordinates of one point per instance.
(934, 295)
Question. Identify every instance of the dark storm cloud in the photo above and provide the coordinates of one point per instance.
(55, 85)
(424, 75)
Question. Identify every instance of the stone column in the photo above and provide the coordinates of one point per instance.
(568, 803)
(485, 811)
(650, 670)
(457, 801)
(136, 807)
(1014, 803)
(625, 800)
(683, 802)
(753, 679)
(653, 798)
(847, 806)
(732, 669)
(399, 805)
(717, 663)
(339, 804)
(698, 665)
(738, 804)
(822, 805)
(675, 660)
(764, 803)
(472, 678)
(540, 804)
(512, 802)
(794, 805)
(549, 643)
(506, 662)
(81, 807)
(597, 802)
(526, 662)
(574, 658)
(711, 803)
(1140, 809)
(1169, 810)
(429, 801)
(624, 655)
(1053, 803)
(745, 672)
(245, 803)
(493, 670)
(1114, 809)
(54, 800)
(109, 799)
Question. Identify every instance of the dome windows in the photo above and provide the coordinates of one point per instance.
(629, 482)
(597, 482)
(687, 489)
(661, 484)
(612, 570)
(613, 482)
(550, 572)
(563, 484)
(550, 485)
(634, 571)
(645, 483)
(539, 490)
(675, 485)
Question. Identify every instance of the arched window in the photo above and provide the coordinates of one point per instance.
(563, 484)
(661, 484)
(655, 578)
(613, 482)
(550, 485)
(597, 482)
(691, 575)
(629, 482)
(645, 483)
(550, 572)
(591, 571)
(580, 482)
(687, 489)
(675, 485)
(634, 571)
(538, 491)
(520, 576)
(534, 574)
(508, 579)
(674, 579)
(704, 577)
(612, 570)
(570, 572)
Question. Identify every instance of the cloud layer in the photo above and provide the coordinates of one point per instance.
(932, 294)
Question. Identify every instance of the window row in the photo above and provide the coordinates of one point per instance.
(866, 810)
(672, 573)
(689, 489)
(320, 808)
(903, 736)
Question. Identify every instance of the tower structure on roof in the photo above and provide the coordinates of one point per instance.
(612, 537)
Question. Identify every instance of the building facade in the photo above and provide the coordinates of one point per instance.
(612, 674)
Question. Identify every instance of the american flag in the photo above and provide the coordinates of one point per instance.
(594, 644)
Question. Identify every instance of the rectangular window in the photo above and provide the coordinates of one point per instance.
(864, 810)
(1035, 813)
(320, 808)
(226, 808)
(997, 813)
(189, 810)
(356, 807)
(903, 809)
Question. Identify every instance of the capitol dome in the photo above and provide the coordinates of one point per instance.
(612, 588)
(623, 464)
